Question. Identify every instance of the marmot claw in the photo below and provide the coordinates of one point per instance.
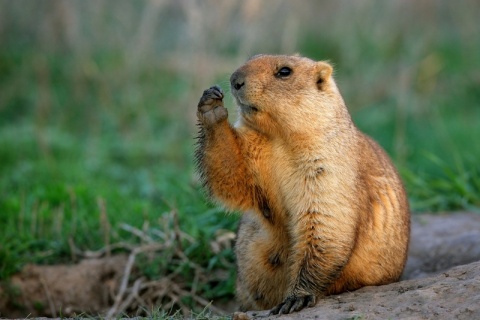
(293, 304)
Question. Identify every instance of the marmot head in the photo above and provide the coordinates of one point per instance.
(285, 93)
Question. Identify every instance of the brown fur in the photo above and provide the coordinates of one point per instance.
(324, 210)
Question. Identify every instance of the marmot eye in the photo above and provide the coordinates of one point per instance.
(283, 72)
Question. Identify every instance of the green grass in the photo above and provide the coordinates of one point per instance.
(73, 170)
(437, 157)
(159, 314)
(51, 200)
(90, 141)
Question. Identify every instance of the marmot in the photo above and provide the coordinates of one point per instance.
(323, 208)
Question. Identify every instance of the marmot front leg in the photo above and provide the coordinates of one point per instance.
(318, 254)
(219, 155)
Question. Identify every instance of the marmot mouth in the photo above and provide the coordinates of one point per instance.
(247, 108)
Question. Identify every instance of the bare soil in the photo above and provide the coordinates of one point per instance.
(431, 287)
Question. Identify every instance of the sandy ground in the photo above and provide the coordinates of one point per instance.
(454, 294)
(431, 288)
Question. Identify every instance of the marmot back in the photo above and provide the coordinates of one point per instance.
(324, 210)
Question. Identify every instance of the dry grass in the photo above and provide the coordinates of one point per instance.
(170, 291)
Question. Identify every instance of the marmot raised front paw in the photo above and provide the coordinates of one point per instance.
(210, 107)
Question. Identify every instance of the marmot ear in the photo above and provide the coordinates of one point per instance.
(323, 72)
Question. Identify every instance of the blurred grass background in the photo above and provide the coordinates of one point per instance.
(98, 98)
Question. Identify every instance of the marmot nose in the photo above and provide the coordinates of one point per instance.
(237, 80)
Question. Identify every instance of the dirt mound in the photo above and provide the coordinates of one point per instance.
(87, 287)
(438, 243)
